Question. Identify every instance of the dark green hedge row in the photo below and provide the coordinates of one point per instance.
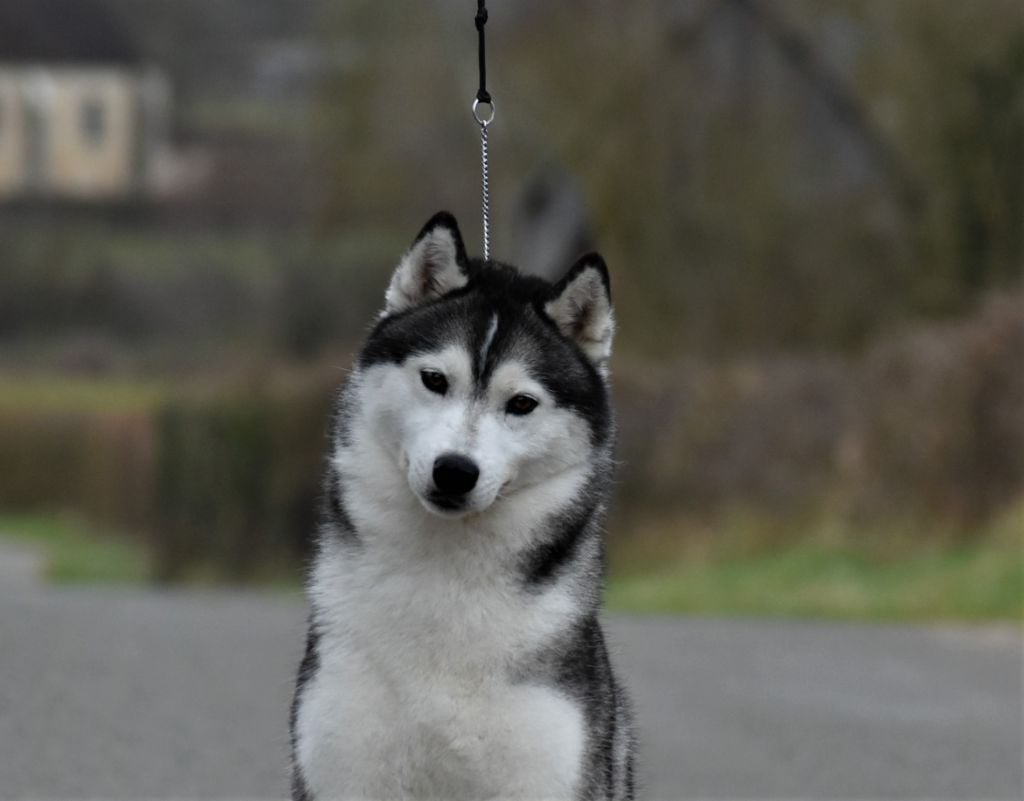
(222, 484)
(237, 481)
(97, 464)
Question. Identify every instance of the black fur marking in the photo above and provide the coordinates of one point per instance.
(608, 741)
(543, 563)
(307, 669)
(590, 261)
(339, 429)
(300, 790)
(446, 220)
(578, 665)
(481, 361)
(584, 671)
(335, 514)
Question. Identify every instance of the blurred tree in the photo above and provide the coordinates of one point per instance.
(388, 117)
(761, 175)
(986, 152)
(946, 82)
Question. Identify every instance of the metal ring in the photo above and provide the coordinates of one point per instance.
(485, 121)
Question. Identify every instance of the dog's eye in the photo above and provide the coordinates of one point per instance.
(434, 381)
(521, 404)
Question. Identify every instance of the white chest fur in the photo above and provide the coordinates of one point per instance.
(414, 696)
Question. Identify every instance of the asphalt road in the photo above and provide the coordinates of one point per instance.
(128, 694)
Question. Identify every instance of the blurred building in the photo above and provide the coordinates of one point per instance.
(82, 116)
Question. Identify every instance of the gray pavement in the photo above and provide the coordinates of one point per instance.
(19, 564)
(131, 694)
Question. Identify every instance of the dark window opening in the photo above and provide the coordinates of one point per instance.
(93, 122)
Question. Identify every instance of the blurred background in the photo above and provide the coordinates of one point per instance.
(813, 214)
(812, 210)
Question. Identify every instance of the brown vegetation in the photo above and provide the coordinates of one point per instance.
(926, 426)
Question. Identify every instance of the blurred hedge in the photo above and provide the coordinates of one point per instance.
(940, 428)
(927, 426)
(237, 478)
(97, 463)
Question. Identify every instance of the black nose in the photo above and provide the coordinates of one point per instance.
(454, 474)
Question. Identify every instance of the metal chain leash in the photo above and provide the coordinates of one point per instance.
(485, 184)
(483, 113)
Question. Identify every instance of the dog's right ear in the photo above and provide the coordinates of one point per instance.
(435, 265)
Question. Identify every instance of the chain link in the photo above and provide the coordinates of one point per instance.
(485, 188)
(484, 117)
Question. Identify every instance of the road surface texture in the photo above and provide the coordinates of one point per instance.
(122, 694)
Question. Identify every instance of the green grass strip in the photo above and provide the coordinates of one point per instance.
(75, 553)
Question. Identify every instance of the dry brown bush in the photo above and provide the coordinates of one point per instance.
(929, 423)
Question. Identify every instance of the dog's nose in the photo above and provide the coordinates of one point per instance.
(454, 474)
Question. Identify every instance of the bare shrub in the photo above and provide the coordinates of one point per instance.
(941, 423)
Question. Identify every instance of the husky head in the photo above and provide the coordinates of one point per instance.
(478, 384)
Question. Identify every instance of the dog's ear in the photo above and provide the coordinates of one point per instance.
(435, 265)
(581, 307)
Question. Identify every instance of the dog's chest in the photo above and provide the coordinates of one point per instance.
(416, 695)
(362, 736)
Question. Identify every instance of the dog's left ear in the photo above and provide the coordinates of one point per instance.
(581, 307)
(435, 265)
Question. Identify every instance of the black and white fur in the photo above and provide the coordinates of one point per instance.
(454, 649)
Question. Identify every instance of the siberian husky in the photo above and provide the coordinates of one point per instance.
(454, 650)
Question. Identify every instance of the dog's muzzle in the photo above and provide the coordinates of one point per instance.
(455, 476)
